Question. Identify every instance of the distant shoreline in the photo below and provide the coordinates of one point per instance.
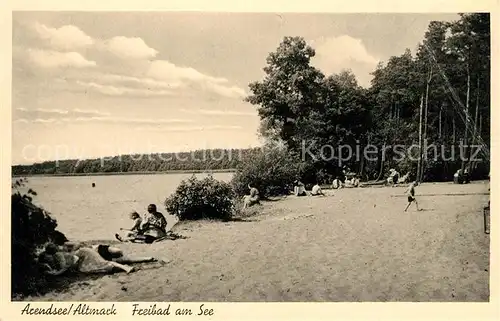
(199, 171)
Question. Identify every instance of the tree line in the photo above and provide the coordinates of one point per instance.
(199, 160)
(440, 95)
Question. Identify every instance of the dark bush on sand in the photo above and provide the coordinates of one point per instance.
(32, 227)
(197, 199)
(271, 170)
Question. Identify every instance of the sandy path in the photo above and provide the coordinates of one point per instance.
(357, 245)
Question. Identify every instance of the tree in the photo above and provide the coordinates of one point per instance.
(289, 91)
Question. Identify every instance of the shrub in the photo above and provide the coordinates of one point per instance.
(32, 227)
(197, 199)
(272, 171)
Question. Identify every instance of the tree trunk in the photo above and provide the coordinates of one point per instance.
(440, 120)
(454, 130)
(466, 138)
(362, 163)
(474, 139)
(422, 165)
(420, 137)
(479, 132)
(381, 172)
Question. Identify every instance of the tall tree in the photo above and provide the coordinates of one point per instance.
(289, 90)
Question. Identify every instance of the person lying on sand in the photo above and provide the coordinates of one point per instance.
(97, 259)
(411, 195)
(252, 199)
(316, 190)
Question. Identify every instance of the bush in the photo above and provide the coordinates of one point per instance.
(32, 227)
(197, 199)
(272, 171)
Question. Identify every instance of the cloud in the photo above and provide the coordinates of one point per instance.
(162, 69)
(134, 81)
(188, 128)
(218, 112)
(56, 59)
(167, 71)
(129, 48)
(90, 112)
(66, 37)
(231, 92)
(43, 110)
(343, 49)
(344, 52)
(75, 111)
(138, 121)
(122, 91)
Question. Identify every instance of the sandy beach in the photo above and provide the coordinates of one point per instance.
(352, 245)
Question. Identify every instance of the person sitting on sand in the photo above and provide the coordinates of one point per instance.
(393, 177)
(299, 189)
(153, 228)
(154, 222)
(404, 179)
(252, 199)
(355, 181)
(316, 190)
(135, 230)
(337, 183)
(411, 195)
(97, 259)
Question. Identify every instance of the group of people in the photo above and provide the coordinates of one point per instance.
(395, 178)
(300, 190)
(148, 230)
(353, 182)
(58, 259)
(61, 256)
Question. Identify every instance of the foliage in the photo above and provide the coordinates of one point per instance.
(298, 105)
(289, 91)
(196, 199)
(271, 170)
(32, 227)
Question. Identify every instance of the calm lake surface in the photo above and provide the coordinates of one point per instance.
(84, 212)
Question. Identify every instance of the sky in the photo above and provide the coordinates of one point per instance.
(94, 84)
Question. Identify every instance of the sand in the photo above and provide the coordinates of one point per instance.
(352, 245)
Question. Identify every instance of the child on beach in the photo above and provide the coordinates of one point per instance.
(411, 195)
(136, 228)
(252, 199)
(316, 190)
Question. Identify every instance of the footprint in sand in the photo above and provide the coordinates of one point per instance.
(292, 217)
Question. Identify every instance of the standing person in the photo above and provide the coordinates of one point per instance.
(411, 195)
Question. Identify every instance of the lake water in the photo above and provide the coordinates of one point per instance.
(84, 212)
